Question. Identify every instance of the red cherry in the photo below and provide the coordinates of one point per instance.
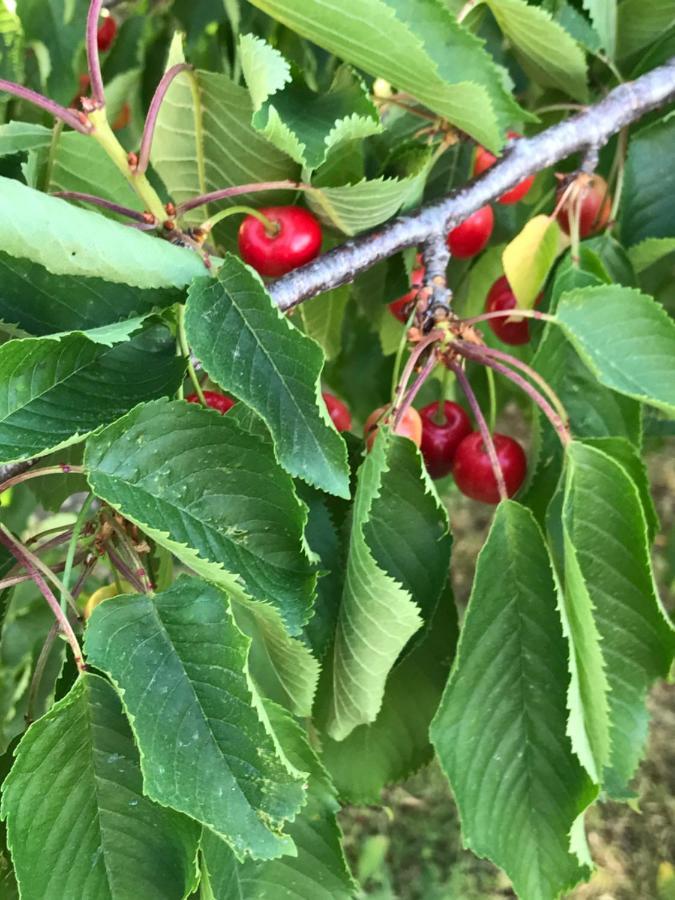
(595, 205)
(410, 425)
(296, 242)
(473, 473)
(439, 442)
(472, 235)
(484, 159)
(338, 412)
(500, 296)
(401, 307)
(106, 34)
(214, 399)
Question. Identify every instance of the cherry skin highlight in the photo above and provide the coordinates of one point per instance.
(401, 308)
(473, 234)
(484, 159)
(338, 411)
(595, 205)
(106, 33)
(440, 441)
(214, 399)
(473, 473)
(296, 241)
(501, 297)
(410, 425)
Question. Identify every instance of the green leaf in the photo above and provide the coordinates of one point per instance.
(79, 823)
(625, 338)
(55, 392)
(649, 181)
(529, 258)
(322, 319)
(319, 872)
(213, 495)
(69, 240)
(387, 584)
(545, 50)
(397, 743)
(179, 662)
(40, 303)
(641, 24)
(204, 141)
(650, 251)
(303, 124)
(11, 50)
(417, 46)
(500, 730)
(607, 541)
(603, 14)
(249, 348)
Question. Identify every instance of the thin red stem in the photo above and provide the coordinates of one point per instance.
(105, 204)
(237, 190)
(22, 556)
(69, 116)
(409, 398)
(65, 469)
(488, 443)
(93, 61)
(413, 359)
(153, 112)
(125, 570)
(508, 314)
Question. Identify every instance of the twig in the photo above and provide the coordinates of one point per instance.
(151, 119)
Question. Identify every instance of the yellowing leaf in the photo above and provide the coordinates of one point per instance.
(529, 257)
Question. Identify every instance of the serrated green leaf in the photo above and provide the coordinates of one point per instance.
(319, 872)
(529, 258)
(397, 743)
(545, 50)
(625, 338)
(303, 124)
(322, 319)
(379, 612)
(204, 141)
(417, 46)
(213, 495)
(649, 181)
(500, 730)
(55, 392)
(603, 14)
(69, 240)
(179, 662)
(40, 303)
(607, 540)
(79, 823)
(576, 24)
(640, 24)
(650, 251)
(250, 349)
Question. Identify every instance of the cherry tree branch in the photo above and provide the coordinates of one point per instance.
(582, 133)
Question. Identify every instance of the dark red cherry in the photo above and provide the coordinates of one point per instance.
(296, 240)
(500, 297)
(592, 193)
(214, 399)
(473, 234)
(401, 307)
(106, 34)
(440, 440)
(484, 159)
(473, 473)
(342, 418)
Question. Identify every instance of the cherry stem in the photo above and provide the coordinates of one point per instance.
(408, 399)
(271, 228)
(93, 61)
(69, 116)
(72, 546)
(153, 112)
(26, 559)
(237, 190)
(185, 350)
(560, 427)
(141, 574)
(64, 469)
(492, 395)
(125, 570)
(412, 362)
(510, 313)
(488, 443)
(439, 415)
(40, 667)
(105, 204)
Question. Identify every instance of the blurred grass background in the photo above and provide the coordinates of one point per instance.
(410, 848)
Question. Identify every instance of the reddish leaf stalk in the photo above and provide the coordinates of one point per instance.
(483, 428)
(237, 190)
(65, 469)
(93, 61)
(22, 556)
(153, 112)
(105, 204)
(69, 116)
(509, 314)
(413, 360)
(125, 570)
(409, 397)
